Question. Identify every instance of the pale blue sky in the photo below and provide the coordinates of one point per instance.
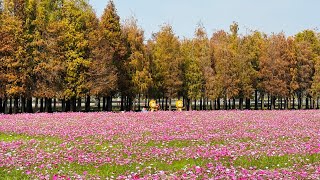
(290, 16)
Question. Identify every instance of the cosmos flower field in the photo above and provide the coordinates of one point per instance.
(161, 145)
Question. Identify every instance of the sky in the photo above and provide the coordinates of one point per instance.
(269, 16)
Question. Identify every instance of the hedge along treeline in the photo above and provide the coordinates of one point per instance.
(58, 50)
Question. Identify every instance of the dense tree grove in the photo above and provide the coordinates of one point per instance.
(57, 55)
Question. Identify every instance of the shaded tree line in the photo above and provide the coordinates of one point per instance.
(59, 51)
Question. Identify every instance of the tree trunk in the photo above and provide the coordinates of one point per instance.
(299, 101)
(135, 104)
(109, 103)
(268, 102)
(170, 107)
(293, 103)
(48, 105)
(233, 103)
(79, 104)
(1, 108)
(139, 101)
(73, 104)
(272, 103)
(63, 105)
(248, 104)
(41, 105)
(121, 103)
(104, 107)
(36, 106)
(98, 103)
(195, 104)
(188, 105)
(126, 103)
(15, 105)
(201, 104)
(262, 101)
(23, 104)
(87, 105)
(4, 106)
(317, 103)
(29, 105)
(130, 104)
(256, 100)
(225, 103)
(163, 108)
(146, 102)
(229, 104)
(285, 103)
(241, 103)
(68, 105)
(44, 105)
(54, 105)
(166, 107)
(10, 106)
(307, 103)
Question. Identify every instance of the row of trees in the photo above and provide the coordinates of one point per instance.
(58, 50)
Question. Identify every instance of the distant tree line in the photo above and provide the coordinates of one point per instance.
(59, 51)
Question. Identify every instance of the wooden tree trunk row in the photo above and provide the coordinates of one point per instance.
(15, 105)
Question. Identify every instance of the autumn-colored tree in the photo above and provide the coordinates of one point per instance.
(231, 79)
(167, 63)
(13, 52)
(250, 52)
(302, 62)
(274, 68)
(103, 72)
(42, 55)
(315, 86)
(308, 53)
(192, 74)
(111, 29)
(2, 83)
(222, 55)
(202, 55)
(72, 51)
(138, 63)
(29, 36)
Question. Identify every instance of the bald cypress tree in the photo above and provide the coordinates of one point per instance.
(12, 52)
(71, 50)
(167, 63)
(138, 63)
(202, 55)
(274, 68)
(103, 71)
(192, 74)
(117, 46)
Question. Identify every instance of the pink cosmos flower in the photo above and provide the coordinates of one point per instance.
(55, 177)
